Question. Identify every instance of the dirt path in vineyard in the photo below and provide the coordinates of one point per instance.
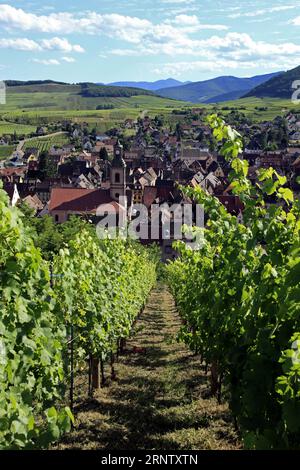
(160, 399)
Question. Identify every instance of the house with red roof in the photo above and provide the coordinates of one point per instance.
(83, 202)
(65, 202)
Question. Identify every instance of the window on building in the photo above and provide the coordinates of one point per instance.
(117, 178)
(56, 218)
(117, 195)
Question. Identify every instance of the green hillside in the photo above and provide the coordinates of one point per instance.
(103, 107)
(46, 104)
(82, 89)
(258, 109)
(86, 96)
(277, 87)
(91, 90)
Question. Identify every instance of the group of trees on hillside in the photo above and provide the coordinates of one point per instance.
(90, 90)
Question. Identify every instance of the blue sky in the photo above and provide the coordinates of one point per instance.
(105, 41)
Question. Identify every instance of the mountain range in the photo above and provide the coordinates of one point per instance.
(218, 89)
(151, 86)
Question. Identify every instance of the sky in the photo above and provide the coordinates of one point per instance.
(106, 41)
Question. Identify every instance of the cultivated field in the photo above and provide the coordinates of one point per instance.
(6, 151)
(44, 144)
(36, 105)
(25, 111)
(9, 128)
(258, 109)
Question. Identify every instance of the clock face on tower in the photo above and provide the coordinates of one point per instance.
(117, 152)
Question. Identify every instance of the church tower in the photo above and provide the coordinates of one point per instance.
(118, 174)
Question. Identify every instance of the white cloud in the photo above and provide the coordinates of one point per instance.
(233, 51)
(69, 60)
(46, 61)
(282, 8)
(262, 11)
(243, 47)
(121, 26)
(60, 44)
(232, 46)
(296, 21)
(127, 28)
(17, 18)
(54, 44)
(172, 37)
(180, 69)
(189, 20)
(21, 44)
(191, 24)
(179, 10)
(261, 20)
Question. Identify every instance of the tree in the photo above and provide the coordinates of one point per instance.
(42, 164)
(93, 133)
(159, 121)
(28, 213)
(103, 154)
(126, 142)
(47, 236)
(47, 166)
(178, 131)
(200, 135)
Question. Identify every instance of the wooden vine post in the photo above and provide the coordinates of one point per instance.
(95, 366)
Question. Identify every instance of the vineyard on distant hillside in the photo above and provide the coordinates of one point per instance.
(6, 151)
(44, 144)
(9, 128)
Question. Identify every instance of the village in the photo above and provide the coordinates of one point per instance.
(144, 161)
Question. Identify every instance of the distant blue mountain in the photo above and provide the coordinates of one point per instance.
(151, 86)
(215, 90)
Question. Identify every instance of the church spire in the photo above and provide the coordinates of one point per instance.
(118, 161)
(118, 173)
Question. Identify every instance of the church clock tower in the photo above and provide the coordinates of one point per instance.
(118, 174)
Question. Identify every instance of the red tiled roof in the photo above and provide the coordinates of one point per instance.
(12, 171)
(79, 200)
